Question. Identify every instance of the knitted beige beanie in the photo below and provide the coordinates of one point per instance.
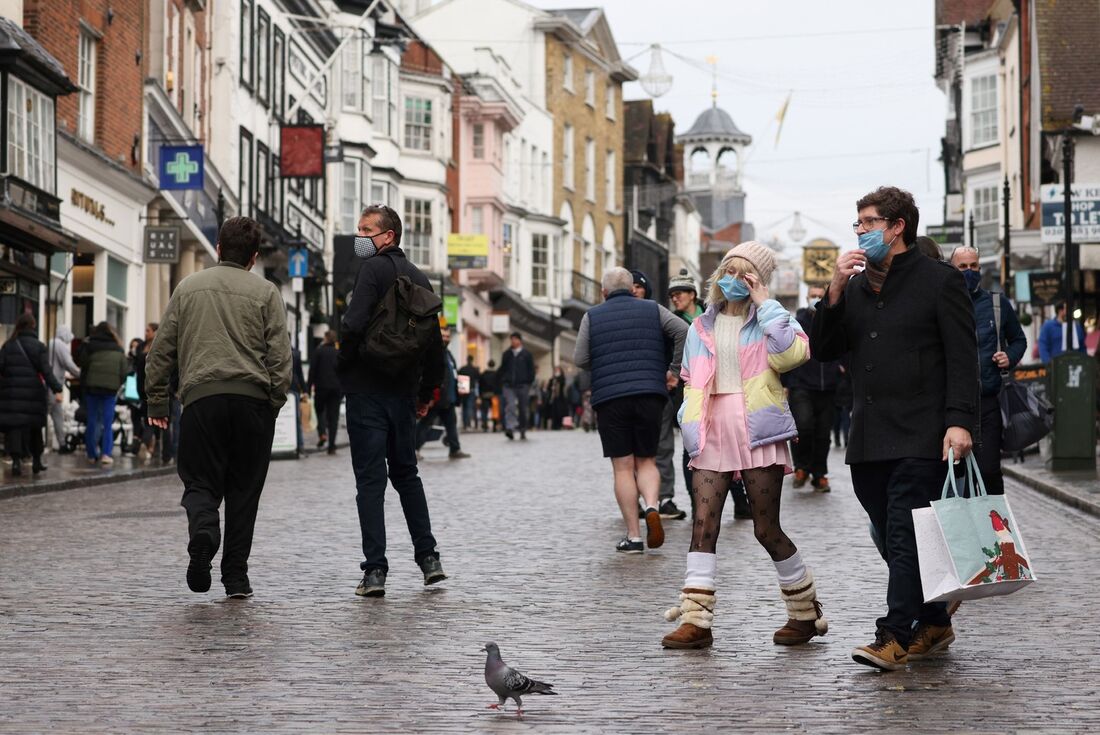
(761, 256)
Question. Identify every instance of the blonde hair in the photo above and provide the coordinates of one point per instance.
(730, 262)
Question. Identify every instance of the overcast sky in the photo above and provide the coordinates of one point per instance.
(865, 109)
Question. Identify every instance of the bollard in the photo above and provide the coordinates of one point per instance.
(1073, 395)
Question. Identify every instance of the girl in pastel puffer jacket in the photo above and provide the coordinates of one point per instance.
(736, 423)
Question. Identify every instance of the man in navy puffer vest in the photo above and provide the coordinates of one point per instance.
(624, 342)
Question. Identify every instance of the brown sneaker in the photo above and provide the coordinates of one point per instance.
(800, 478)
(655, 532)
(930, 640)
(953, 607)
(821, 484)
(688, 636)
(885, 653)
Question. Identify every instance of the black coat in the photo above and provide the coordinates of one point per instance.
(517, 369)
(814, 374)
(913, 358)
(22, 395)
(322, 370)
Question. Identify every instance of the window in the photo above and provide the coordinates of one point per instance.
(986, 225)
(983, 110)
(479, 141)
(354, 82)
(262, 177)
(506, 243)
(590, 169)
(590, 87)
(278, 70)
(380, 193)
(383, 105)
(86, 63)
(278, 191)
(263, 37)
(567, 157)
(418, 124)
(477, 220)
(351, 188)
(246, 43)
(532, 175)
(417, 238)
(567, 73)
(611, 99)
(245, 191)
(609, 182)
(540, 264)
(31, 135)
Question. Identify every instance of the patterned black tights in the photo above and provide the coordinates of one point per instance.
(763, 488)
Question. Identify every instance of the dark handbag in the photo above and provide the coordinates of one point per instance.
(1025, 416)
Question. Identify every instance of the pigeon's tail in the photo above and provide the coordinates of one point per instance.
(538, 687)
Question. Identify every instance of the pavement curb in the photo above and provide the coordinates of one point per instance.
(1053, 491)
(40, 488)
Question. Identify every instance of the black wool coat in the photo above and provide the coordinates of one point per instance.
(22, 395)
(913, 358)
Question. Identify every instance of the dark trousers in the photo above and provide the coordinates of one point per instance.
(988, 450)
(842, 424)
(486, 410)
(516, 399)
(889, 491)
(224, 450)
(813, 415)
(666, 449)
(469, 410)
(327, 403)
(446, 416)
(382, 433)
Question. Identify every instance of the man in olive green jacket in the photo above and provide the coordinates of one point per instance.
(225, 332)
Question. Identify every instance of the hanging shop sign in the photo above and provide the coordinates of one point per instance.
(162, 245)
(181, 167)
(467, 251)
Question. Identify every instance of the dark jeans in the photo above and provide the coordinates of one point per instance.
(842, 424)
(988, 451)
(382, 433)
(224, 451)
(327, 403)
(889, 491)
(446, 417)
(486, 410)
(666, 449)
(469, 410)
(99, 438)
(813, 415)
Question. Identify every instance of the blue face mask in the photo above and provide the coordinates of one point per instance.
(972, 278)
(732, 288)
(874, 248)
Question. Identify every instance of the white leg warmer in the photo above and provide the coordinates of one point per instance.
(802, 604)
(790, 570)
(701, 570)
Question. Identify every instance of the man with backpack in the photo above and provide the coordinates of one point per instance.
(391, 362)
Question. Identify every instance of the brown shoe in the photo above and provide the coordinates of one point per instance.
(821, 484)
(655, 532)
(930, 640)
(885, 653)
(688, 636)
(795, 632)
(800, 478)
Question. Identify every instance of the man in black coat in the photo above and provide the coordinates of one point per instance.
(907, 326)
(324, 383)
(517, 373)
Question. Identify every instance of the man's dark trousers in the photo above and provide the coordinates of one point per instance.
(224, 451)
(813, 415)
(889, 491)
(382, 432)
(987, 449)
(448, 418)
(328, 413)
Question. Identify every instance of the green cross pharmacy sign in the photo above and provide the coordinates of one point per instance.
(181, 167)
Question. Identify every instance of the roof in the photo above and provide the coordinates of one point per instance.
(583, 18)
(715, 122)
(954, 12)
(14, 41)
(1067, 74)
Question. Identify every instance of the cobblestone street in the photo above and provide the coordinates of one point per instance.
(98, 632)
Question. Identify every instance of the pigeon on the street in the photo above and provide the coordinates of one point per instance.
(507, 683)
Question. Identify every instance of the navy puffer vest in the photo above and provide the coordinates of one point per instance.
(627, 346)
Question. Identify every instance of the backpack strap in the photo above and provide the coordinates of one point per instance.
(997, 316)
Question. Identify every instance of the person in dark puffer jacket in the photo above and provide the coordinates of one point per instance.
(103, 370)
(24, 365)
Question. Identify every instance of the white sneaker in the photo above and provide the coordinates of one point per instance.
(106, 460)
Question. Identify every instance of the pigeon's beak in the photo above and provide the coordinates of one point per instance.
(484, 650)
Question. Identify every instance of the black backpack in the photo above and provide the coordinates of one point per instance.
(402, 327)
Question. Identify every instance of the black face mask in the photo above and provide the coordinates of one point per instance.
(365, 247)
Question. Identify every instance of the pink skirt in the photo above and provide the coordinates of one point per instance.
(727, 444)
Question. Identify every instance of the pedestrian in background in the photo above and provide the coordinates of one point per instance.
(298, 390)
(1001, 346)
(145, 436)
(61, 363)
(842, 421)
(103, 370)
(517, 374)
(487, 390)
(469, 397)
(812, 398)
(224, 333)
(625, 341)
(735, 424)
(24, 367)
(906, 324)
(324, 385)
(382, 409)
(444, 407)
(557, 399)
(1052, 335)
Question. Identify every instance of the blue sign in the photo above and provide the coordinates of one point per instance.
(297, 263)
(181, 167)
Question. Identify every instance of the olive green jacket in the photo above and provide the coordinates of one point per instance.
(225, 331)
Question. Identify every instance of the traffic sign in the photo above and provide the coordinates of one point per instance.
(297, 263)
(181, 167)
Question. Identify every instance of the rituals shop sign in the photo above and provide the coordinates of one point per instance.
(162, 245)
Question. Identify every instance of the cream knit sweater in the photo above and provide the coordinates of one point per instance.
(726, 331)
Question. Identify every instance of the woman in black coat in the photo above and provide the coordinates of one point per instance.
(24, 366)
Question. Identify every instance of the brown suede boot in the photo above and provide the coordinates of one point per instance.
(805, 619)
(696, 611)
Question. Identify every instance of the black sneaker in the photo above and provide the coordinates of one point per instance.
(433, 570)
(668, 509)
(458, 455)
(238, 589)
(508, 433)
(201, 550)
(627, 546)
(373, 584)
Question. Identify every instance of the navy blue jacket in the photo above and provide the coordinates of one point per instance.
(1013, 341)
(517, 368)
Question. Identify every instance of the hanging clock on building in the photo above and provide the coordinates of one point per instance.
(818, 261)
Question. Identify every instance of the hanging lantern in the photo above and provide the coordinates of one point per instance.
(657, 81)
(797, 231)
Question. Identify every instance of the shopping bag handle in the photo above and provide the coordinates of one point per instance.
(973, 477)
